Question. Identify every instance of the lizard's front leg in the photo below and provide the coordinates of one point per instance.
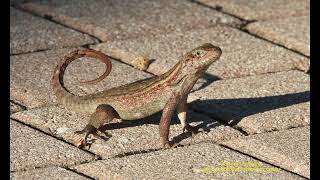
(104, 113)
(182, 109)
(165, 120)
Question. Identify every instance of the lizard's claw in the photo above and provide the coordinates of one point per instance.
(79, 132)
(167, 145)
(192, 129)
(82, 141)
(100, 135)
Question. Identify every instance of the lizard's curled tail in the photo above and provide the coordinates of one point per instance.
(62, 94)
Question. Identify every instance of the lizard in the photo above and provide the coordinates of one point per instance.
(167, 92)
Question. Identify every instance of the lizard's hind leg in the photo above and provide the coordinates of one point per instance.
(104, 113)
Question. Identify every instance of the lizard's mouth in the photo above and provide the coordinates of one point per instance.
(214, 52)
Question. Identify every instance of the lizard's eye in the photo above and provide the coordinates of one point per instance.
(198, 53)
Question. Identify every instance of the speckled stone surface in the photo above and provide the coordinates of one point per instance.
(255, 98)
(291, 32)
(14, 107)
(30, 76)
(242, 54)
(18, 1)
(252, 106)
(282, 118)
(30, 148)
(262, 9)
(124, 137)
(181, 163)
(53, 173)
(29, 33)
(122, 19)
(289, 149)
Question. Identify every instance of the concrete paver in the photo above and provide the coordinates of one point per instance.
(125, 137)
(30, 148)
(53, 173)
(259, 89)
(246, 98)
(30, 76)
(18, 1)
(14, 107)
(282, 118)
(109, 20)
(289, 149)
(242, 54)
(29, 33)
(262, 9)
(292, 32)
(180, 163)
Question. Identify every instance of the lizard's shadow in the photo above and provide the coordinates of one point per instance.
(229, 111)
(205, 81)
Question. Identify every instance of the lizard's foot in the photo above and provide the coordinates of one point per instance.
(82, 141)
(167, 145)
(192, 129)
(101, 135)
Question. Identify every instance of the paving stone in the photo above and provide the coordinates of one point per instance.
(14, 107)
(282, 118)
(18, 1)
(30, 76)
(129, 18)
(29, 33)
(263, 9)
(242, 54)
(30, 149)
(292, 32)
(46, 173)
(264, 102)
(289, 149)
(181, 163)
(127, 136)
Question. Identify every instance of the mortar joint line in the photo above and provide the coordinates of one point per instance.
(57, 138)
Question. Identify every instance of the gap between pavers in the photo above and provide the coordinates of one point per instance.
(31, 149)
(123, 137)
(114, 20)
(201, 161)
(288, 149)
(262, 9)
(14, 107)
(29, 33)
(291, 32)
(53, 173)
(264, 102)
(242, 54)
(30, 76)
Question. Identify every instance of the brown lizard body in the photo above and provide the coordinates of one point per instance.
(140, 99)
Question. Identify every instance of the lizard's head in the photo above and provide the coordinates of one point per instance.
(199, 59)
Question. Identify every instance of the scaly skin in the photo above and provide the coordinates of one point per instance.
(140, 99)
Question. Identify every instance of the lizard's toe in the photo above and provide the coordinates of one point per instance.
(79, 132)
(100, 135)
(191, 129)
(81, 142)
(167, 145)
